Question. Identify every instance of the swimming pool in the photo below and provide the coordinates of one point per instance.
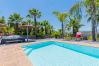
(61, 54)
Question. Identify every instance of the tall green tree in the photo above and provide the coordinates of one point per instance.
(14, 20)
(75, 17)
(34, 13)
(51, 30)
(74, 25)
(2, 20)
(45, 24)
(47, 27)
(91, 10)
(61, 17)
(29, 20)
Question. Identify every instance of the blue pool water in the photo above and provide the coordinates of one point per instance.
(61, 54)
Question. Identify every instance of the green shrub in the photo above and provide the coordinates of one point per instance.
(89, 37)
(68, 37)
(97, 36)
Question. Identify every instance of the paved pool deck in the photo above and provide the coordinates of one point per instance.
(13, 55)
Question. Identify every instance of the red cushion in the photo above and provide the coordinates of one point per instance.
(78, 36)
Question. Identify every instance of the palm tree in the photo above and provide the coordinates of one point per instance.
(34, 13)
(45, 23)
(75, 10)
(15, 19)
(46, 26)
(91, 10)
(74, 25)
(61, 17)
(50, 30)
(29, 20)
(75, 17)
(42, 26)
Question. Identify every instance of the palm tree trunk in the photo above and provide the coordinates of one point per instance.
(62, 30)
(93, 16)
(45, 31)
(93, 31)
(96, 30)
(16, 28)
(74, 33)
(35, 27)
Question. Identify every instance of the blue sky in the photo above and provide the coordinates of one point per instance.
(8, 7)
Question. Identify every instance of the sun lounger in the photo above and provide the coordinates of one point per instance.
(14, 38)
